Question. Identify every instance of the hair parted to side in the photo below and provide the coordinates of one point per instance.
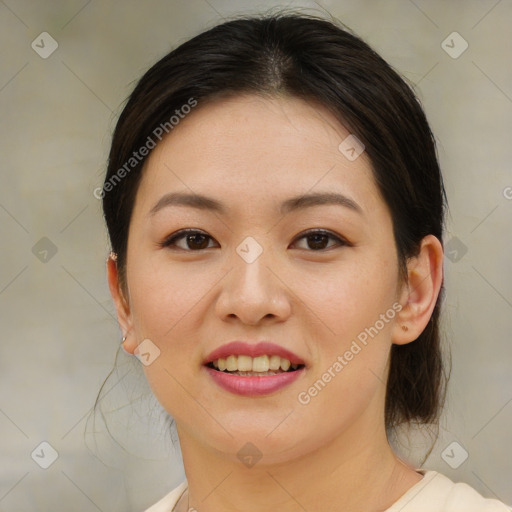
(321, 62)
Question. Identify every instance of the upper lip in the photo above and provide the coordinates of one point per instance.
(243, 348)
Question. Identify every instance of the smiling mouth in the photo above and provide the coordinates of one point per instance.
(247, 366)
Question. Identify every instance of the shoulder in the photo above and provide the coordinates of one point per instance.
(437, 492)
(434, 490)
(167, 503)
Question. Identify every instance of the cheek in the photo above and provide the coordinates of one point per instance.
(352, 295)
(168, 304)
(351, 356)
(164, 294)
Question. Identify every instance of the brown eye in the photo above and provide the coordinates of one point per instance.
(317, 240)
(194, 240)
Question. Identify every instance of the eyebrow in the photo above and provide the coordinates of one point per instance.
(202, 202)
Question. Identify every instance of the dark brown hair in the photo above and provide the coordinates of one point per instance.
(322, 62)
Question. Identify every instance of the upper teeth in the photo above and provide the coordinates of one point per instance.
(253, 364)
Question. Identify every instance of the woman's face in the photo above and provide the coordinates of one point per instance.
(253, 273)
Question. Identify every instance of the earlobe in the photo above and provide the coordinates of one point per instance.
(420, 292)
(121, 304)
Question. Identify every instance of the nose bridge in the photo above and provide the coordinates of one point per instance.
(250, 263)
(252, 291)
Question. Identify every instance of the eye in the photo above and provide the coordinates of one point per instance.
(194, 240)
(317, 239)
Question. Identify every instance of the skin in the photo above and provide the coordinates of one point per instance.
(251, 154)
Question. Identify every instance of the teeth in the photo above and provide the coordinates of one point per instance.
(259, 364)
(256, 374)
(244, 363)
(232, 364)
(275, 362)
(248, 364)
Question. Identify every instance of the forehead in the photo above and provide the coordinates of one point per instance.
(247, 149)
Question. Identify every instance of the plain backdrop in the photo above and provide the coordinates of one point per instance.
(59, 333)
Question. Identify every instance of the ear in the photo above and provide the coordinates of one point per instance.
(122, 305)
(419, 294)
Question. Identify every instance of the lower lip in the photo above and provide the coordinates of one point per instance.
(253, 386)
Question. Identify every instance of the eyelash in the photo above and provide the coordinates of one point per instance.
(170, 241)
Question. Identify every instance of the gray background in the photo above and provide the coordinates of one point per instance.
(59, 334)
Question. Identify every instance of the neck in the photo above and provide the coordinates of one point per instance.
(356, 471)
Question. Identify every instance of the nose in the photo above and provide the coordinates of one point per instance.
(254, 291)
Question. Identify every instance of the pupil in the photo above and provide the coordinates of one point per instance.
(317, 243)
(191, 238)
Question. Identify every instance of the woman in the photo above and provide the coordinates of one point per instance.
(275, 208)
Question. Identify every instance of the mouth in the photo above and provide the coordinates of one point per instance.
(253, 369)
(260, 366)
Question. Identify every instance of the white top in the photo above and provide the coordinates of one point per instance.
(433, 493)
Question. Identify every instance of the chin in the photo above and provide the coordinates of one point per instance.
(268, 445)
